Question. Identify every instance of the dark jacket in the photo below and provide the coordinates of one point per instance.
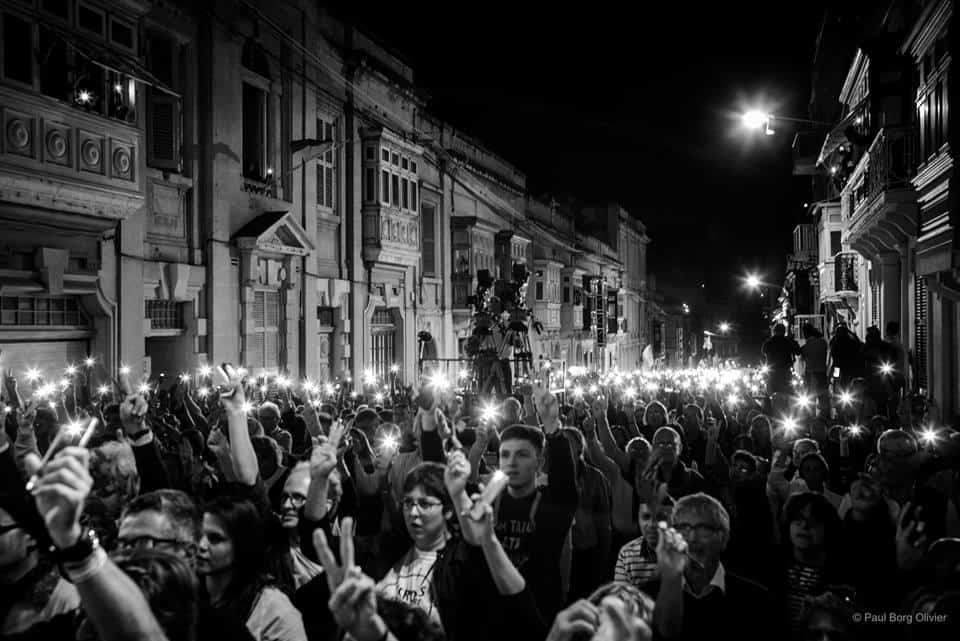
(743, 612)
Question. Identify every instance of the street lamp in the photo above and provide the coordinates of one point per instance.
(724, 327)
(756, 119)
(760, 120)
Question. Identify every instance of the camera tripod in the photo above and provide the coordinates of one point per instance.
(491, 372)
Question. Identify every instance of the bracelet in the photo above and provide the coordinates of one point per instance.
(88, 568)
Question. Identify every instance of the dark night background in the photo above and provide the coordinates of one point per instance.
(639, 106)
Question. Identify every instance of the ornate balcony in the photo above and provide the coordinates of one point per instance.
(390, 235)
(846, 274)
(878, 202)
(53, 155)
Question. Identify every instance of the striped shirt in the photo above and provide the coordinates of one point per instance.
(802, 581)
(636, 563)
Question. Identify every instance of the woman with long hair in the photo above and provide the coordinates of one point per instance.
(231, 561)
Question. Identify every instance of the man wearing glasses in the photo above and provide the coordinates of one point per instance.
(696, 597)
(169, 521)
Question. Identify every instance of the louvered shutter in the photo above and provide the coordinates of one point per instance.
(163, 145)
(920, 330)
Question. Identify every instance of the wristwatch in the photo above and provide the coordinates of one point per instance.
(86, 545)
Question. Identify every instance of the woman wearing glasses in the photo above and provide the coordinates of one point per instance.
(426, 507)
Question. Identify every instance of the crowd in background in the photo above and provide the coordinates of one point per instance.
(688, 504)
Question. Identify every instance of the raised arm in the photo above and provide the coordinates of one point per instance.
(242, 455)
(478, 528)
(111, 600)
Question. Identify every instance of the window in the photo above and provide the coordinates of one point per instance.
(429, 235)
(539, 293)
(382, 350)
(164, 314)
(91, 19)
(384, 187)
(384, 155)
(835, 243)
(45, 311)
(405, 193)
(254, 132)
(395, 160)
(369, 153)
(370, 184)
(265, 344)
(17, 48)
(163, 109)
(326, 184)
(123, 34)
(395, 190)
(58, 8)
(414, 189)
(53, 66)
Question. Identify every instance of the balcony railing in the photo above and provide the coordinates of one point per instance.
(889, 163)
(845, 274)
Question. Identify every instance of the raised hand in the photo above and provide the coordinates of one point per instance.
(617, 624)
(547, 407)
(26, 416)
(671, 553)
(335, 572)
(324, 457)
(456, 474)
(580, 619)
(133, 407)
(911, 538)
(10, 385)
(599, 408)
(233, 398)
(60, 489)
(354, 607)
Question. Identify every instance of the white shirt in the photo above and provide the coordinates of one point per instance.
(274, 618)
(411, 583)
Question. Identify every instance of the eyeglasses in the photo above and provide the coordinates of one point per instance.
(702, 530)
(148, 542)
(298, 500)
(424, 505)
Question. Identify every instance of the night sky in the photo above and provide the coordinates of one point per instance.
(638, 106)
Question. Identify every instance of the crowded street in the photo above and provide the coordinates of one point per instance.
(337, 321)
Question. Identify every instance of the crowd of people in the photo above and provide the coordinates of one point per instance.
(694, 504)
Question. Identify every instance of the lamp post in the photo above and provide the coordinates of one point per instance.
(760, 120)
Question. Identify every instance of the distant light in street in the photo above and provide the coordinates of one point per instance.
(724, 327)
(834, 169)
(753, 281)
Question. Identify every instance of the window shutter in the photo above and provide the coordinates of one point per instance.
(163, 113)
(256, 350)
(920, 330)
(258, 310)
(271, 359)
(428, 234)
(272, 305)
(328, 186)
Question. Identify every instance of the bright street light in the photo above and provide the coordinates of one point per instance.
(724, 327)
(755, 119)
(753, 281)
